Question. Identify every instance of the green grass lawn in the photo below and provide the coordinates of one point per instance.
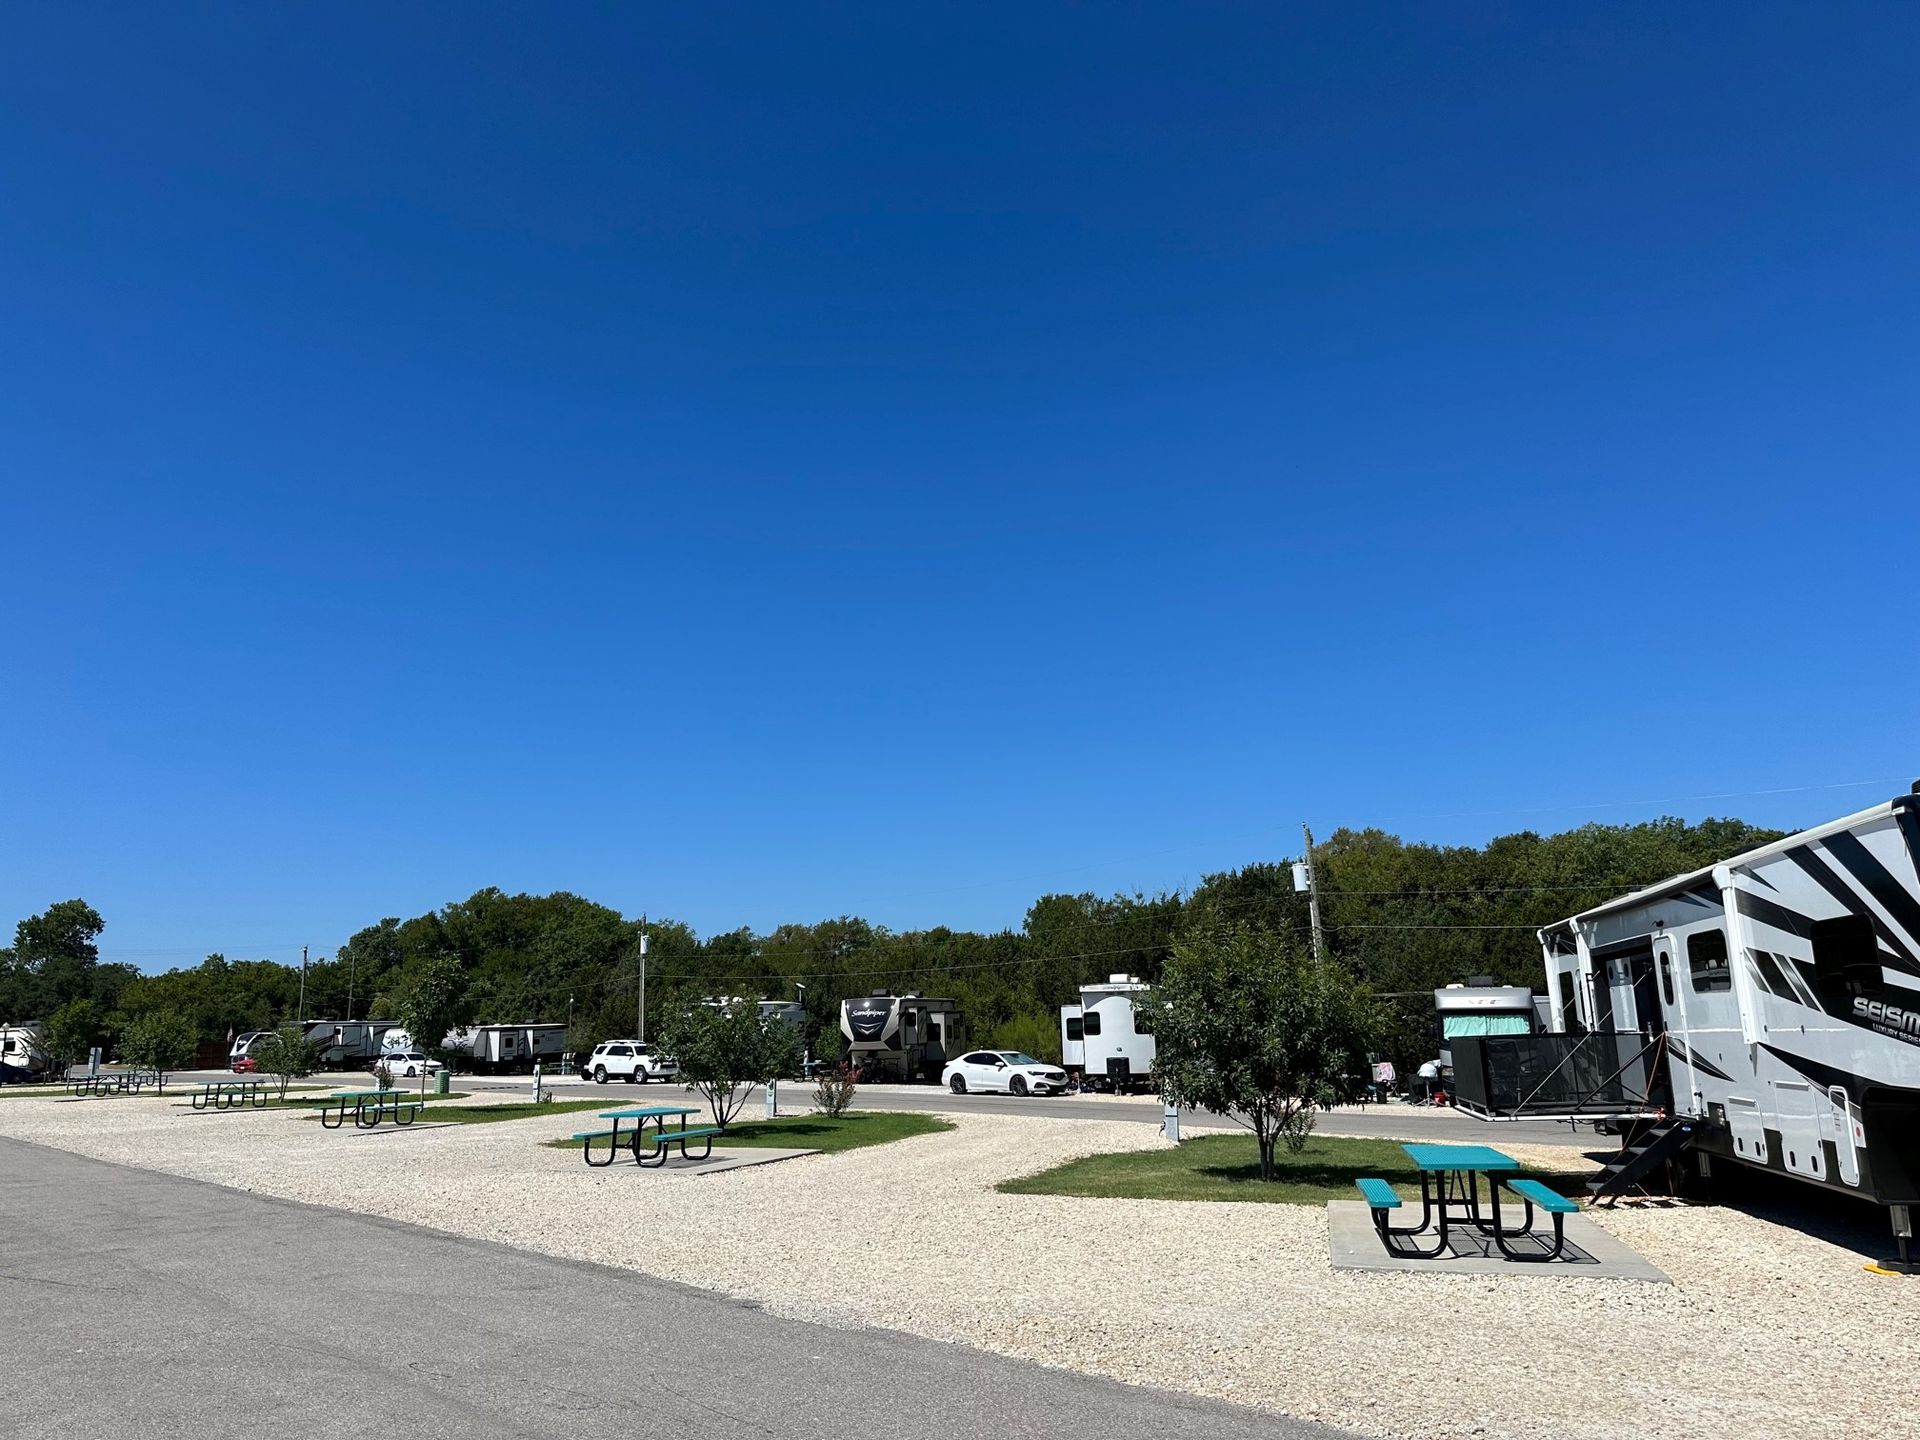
(853, 1131)
(1227, 1167)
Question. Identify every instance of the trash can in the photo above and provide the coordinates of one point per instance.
(442, 1082)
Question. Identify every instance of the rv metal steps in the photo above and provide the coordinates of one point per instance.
(1647, 1149)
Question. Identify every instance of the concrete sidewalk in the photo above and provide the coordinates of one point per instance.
(164, 1306)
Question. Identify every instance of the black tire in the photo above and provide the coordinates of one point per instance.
(958, 1084)
(642, 1076)
(1018, 1085)
(599, 1074)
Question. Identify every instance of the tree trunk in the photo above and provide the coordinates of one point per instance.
(1267, 1137)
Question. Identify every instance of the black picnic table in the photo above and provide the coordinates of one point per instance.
(369, 1107)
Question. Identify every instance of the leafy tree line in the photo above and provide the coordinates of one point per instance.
(1402, 918)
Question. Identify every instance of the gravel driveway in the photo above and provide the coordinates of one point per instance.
(1764, 1332)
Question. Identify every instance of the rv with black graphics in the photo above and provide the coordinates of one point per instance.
(901, 1037)
(1761, 1011)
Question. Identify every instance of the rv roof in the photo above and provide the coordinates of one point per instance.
(1747, 857)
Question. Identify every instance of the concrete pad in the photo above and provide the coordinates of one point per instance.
(1591, 1253)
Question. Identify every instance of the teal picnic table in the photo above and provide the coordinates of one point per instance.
(369, 1103)
(1450, 1188)
(663, 1138)
(229, 1094)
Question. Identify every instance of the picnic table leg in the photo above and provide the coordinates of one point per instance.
(1526, 1228)
(1388, 1233)
(613, 1148)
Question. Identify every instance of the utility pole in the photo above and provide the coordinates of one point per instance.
(1313, 896)
(303, 985)
(353, 964)
(643, 978)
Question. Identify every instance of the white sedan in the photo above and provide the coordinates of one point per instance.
(409, 1063)
(1008, 1070)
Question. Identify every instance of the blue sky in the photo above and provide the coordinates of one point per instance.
(752, 463)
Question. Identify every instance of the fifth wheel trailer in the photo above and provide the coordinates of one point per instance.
(903, 1037)
(1764, 1011)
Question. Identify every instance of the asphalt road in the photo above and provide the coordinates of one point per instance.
(168, 1307)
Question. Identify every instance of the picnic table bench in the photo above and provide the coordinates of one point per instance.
(230, 1094)
(1450, 1189)
(663, 1138)
(369, 1107)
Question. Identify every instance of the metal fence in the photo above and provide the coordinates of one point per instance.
(1598, 1073)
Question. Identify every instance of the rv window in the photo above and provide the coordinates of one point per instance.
(1666, 977)
(1846, 959)
(1075, 1030)
(1090, 1023)
(1707, 960)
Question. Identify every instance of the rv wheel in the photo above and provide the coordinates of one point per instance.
(959, 1085)
(1018, 1085)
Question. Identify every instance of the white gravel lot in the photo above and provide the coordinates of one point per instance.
(1765, 1331)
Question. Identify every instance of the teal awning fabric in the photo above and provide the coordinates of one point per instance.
(1454, 1026)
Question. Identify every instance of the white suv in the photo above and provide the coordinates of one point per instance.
(629, 1060)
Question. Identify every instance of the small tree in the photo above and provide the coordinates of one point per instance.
(160, 1040)
(724, 1052)
(73, 1030)
(1254, 1028)
(428, 1002)
(289, 1055)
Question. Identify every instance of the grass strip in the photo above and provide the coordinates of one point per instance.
(1227, 1167)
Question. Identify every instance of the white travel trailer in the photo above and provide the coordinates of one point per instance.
(1100, 1040)
(23, 1053)
(1764, 1011)
(904, 1037)
(497, 1049)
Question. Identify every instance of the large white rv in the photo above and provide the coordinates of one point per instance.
(902, 1037)
(1099, 1039)
(1764, 1011)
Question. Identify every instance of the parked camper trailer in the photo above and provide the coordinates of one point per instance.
(791, 1011)
(1100, 1041)
(247, 1046)
(902, 1037)
(1481, 1007)
(1764, 1011)
(23, 1053)
(348, 1044)
(501, 1049)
